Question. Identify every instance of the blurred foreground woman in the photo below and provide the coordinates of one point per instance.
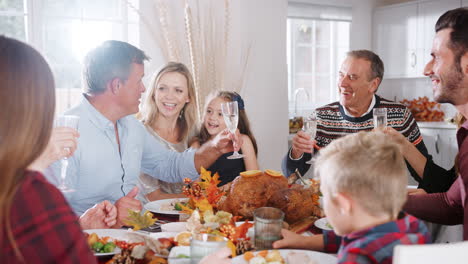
(36, 223)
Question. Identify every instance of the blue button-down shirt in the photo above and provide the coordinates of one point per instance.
(99, 171)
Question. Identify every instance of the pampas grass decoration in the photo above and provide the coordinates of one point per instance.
(195, 33)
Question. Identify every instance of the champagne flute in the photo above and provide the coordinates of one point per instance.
(72, 122)
(310, 127)
(231, 118)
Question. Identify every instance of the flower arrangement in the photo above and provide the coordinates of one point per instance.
(204, 196)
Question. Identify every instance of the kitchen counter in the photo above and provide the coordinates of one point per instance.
(440, 125)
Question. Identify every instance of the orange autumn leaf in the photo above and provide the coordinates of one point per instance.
(241, 231)
(207, 179)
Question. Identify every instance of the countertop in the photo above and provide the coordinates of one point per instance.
(439, 125)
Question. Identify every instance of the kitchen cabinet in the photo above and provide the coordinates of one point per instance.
(428, 13)
(395, 32)
(403, 34)
(441, 142)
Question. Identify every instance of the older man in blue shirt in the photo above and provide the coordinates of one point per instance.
(114, 147)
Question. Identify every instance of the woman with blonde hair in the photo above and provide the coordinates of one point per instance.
(169, 114)
(36, 223)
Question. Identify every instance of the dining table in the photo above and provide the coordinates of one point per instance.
(168, 218)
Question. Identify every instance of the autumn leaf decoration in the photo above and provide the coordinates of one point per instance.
(139, 221)
(210, 185)
(205, 194)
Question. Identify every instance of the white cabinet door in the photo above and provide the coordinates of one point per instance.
(429, 12)
(465, 3)
(395, 30)
(441, 145)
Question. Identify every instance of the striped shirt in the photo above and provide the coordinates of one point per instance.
(333, 123)
(376, 244)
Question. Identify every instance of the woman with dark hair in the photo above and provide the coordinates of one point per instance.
(36, 223)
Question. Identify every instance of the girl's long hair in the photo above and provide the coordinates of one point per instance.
(27, 97)
(243, 124)
(187, 121)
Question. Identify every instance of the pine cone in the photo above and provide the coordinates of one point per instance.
(243, 246)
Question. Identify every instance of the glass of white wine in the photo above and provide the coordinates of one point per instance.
(231, 118)
(309, 126)
(72, 122)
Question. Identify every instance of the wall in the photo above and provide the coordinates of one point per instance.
(361, 25)
(262, 25)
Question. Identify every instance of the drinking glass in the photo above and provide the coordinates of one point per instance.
(309, 126)
(204, 244)
(380, 117)
(231, 118)
(268, 222)
(72, 122)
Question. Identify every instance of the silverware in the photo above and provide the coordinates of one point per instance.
(298, 174)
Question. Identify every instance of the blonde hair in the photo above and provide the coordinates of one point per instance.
(27, 97)
(367, 167)
(187, 121)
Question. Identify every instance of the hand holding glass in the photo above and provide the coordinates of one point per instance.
(380, 117)
(231, 118)
(310, 127)
(72, 122)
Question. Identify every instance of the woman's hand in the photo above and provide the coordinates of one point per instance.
(62, 143)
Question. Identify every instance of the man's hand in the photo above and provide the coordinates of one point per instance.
(125, 203)
(226, 142)
(102, 215)
(301, 143)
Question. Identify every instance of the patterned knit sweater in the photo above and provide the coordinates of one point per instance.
(333, 123)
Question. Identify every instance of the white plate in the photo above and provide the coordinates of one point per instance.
(316, 257)
(322, 224)
(163, 234)
(159, 206)
(115, 234)
(176, 251)
(176, 227)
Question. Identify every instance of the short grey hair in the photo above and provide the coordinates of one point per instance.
(112, 59)
(377, 66)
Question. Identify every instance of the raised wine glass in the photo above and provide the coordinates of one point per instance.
(310, 127)
(72, 122)
(231, 118)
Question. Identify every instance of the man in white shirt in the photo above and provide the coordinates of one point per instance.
(114, 147)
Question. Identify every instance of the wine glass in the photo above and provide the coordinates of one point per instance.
(231, 118)
(72, 122)
(380, 117)
(309, 126)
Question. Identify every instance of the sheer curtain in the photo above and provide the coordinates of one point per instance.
(198, 34)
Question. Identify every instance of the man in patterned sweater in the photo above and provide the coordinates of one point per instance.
(360, 75)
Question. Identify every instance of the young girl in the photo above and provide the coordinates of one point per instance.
(213, 123)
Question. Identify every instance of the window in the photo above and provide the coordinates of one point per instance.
(64, 31)
(316, 47)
